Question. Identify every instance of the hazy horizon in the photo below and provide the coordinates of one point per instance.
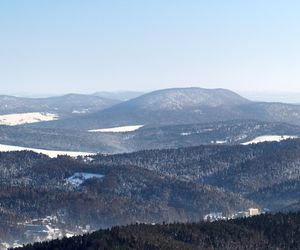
(50, 47)
(266, 96)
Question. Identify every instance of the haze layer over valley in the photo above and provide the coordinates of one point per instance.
(167, 118)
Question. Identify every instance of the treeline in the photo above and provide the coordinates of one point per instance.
(279, 231)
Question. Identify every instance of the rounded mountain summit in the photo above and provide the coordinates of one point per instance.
(181, 106)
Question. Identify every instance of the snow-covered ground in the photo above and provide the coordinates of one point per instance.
(118, 129)
(50, 153)
(197, 131)
(266, 138)
(83, 111)
(186, 133)
(221, 142)
(23, 118)
(78, 178)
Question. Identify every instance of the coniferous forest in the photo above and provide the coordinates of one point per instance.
(277, 231)
(76, 196)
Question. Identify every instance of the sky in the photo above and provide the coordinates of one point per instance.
(63, 46)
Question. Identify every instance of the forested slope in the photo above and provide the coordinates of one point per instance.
(279, 231)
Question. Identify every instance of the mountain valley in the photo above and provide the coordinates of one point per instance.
(175, 155)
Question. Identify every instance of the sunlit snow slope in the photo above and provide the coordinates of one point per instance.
(24, 118)
(50, 153)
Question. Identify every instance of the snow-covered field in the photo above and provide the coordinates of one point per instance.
(266, 138)
(50, 153)
(118, 129)
(78, 178)
(23, 118)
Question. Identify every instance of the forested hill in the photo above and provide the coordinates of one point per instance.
(279, 231)
(267, 173)
(75, 196)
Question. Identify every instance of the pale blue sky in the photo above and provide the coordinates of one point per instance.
(56, 46)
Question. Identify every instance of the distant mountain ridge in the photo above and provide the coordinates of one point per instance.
(184, 98)
(119, 95)
(65, 105)
(182, 106)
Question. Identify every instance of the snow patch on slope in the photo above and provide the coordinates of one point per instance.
(186, 133)
(270, 138)
(50, 153)
(118, 129)
(83, 111)
(24, 118)
(221, 142)
(78, 178)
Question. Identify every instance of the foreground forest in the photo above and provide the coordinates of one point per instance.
(279, 231)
